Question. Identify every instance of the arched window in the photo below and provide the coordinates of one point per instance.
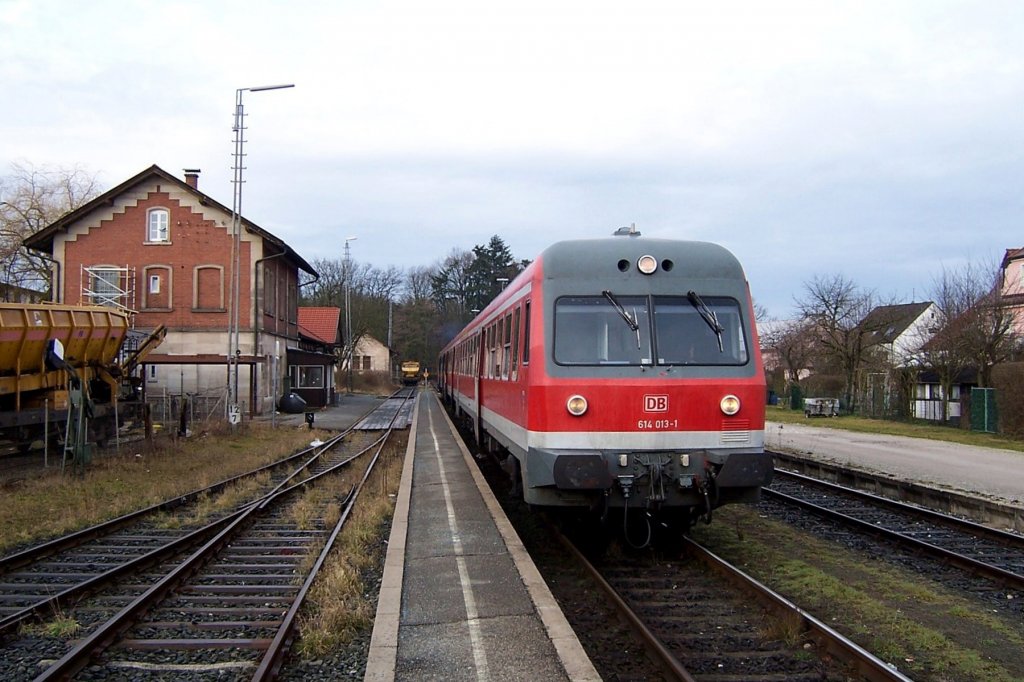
(159, 225)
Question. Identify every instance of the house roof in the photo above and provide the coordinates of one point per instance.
(886, 323)
(1011, 255)
(320, 323)
(43, 239)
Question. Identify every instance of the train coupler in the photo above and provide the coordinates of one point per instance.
(626, 484)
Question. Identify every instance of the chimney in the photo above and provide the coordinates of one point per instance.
(192, 177)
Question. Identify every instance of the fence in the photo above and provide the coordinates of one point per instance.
(166, 409)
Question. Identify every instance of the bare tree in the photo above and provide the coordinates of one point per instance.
(794, 344)
(32, 198)
(451, 284)
(329, 288)
(977, 331)
(761, 315)
(417, 284)
(835, 307)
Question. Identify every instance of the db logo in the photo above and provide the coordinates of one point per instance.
(655, 403)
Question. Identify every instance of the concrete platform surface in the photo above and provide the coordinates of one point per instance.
(460, 597)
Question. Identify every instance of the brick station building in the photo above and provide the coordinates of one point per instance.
(158, 247)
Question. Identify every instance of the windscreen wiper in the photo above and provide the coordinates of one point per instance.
(708, 316)
(630, 319)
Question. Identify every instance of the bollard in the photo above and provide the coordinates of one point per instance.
(309, 419)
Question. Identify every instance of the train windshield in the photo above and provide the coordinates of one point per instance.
(596, 330)
(687, 335)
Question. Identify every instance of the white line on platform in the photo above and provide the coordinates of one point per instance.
(479, 654)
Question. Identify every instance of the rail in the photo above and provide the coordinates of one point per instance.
(62, 599)
(867, 665)
(115, 628)
(969, 563)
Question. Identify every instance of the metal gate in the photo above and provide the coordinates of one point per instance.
(984, 416)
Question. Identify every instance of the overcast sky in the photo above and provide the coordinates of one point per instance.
(880, 140)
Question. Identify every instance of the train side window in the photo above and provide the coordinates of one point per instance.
(515, 343)
(497, 350)
(526, 334)
(492, 354)
(506, 354)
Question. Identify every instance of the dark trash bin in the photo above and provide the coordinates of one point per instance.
(291, 404)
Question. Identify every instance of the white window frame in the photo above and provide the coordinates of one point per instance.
(154, 284)
(158, 231)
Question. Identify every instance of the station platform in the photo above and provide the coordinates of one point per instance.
(987, 473)
(460, 598)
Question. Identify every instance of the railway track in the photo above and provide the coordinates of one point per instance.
(979, 550)
(137, 559)
(697, 616)
(706, 620)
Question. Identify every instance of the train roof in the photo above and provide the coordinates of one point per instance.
(589, 258)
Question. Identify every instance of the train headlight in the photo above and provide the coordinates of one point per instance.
(647, 264)
(576, 405)
(730, 405)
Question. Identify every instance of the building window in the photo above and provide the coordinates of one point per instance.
(157, 287)
(310, 376)
(159, 225)
(270, 289)
(106, 287)
(367, 363)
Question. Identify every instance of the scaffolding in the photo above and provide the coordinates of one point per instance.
(111, 286)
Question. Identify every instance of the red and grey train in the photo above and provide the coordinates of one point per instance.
(619, 374)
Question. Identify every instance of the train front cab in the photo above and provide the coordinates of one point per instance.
(669, 386)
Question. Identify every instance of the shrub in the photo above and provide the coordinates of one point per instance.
(1008, 380)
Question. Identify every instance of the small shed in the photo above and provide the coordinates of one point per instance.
(311, 364)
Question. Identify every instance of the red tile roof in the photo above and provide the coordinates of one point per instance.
(320, 323)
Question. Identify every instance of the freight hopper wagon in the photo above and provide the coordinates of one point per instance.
(50, 354)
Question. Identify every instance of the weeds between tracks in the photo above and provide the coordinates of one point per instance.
(52, 504)
(340, 605)
(930, 631)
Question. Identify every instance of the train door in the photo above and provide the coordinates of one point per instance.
(478, 373)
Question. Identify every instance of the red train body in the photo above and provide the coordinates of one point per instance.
(619, 373)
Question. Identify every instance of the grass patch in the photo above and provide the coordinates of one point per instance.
(923, 628)
(339, 608)
(58, 627)
(52, 504)
(895, 428)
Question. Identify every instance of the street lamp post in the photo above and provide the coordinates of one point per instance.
(348, 308)
(234, 352)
